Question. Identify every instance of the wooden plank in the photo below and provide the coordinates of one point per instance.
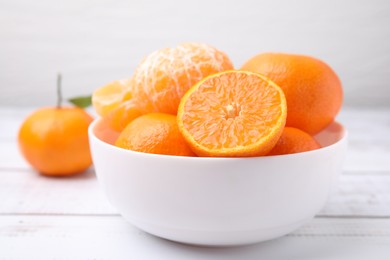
(364, 194)
(58, 237)
(73, 220)
(11, 158)
(26, 192)
(10, 120)
(368, 140)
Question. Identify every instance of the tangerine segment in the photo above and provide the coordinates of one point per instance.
(110, 96)
(154, 133)
(118, 118)
(231, 114)
(164, 76)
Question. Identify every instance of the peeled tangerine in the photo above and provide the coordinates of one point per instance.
(158, 83)
(164, 76)
(233, 114)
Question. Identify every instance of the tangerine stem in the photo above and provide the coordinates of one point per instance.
(59, 92)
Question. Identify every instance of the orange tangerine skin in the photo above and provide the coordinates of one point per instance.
(55, 140)
(313, 90)
(155, 133)
(232, 114)
(294, 140)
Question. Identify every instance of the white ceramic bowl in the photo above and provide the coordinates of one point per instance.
(218, 201)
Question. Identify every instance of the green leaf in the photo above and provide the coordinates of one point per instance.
(81, 102)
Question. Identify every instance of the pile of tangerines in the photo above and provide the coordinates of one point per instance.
(190, 101)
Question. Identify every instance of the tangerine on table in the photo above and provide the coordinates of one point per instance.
(231, 114)
(313, 90)
(164, 76)
(155, 133)
(55, 140)
(294, 140)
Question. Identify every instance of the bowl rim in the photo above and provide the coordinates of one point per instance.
(92, 135)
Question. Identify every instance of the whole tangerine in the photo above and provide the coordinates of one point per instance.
(313, 90)
(54, 140)
(155, 133)
(294, 140)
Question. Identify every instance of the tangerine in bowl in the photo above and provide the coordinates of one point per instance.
(218, 201)
(269, 148)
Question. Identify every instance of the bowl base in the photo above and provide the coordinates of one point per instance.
(217, 238)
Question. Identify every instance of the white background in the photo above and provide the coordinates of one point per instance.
(95, 41)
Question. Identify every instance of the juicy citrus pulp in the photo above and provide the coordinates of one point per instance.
(232, 113)
(110, 96)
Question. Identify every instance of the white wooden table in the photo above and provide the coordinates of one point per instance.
(69, 218)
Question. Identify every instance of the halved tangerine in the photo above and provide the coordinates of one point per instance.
(232, 114)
